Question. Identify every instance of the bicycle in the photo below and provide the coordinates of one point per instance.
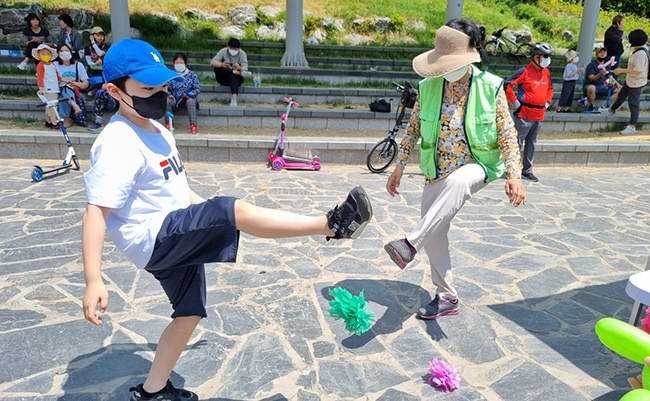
(383, 154)
(498, 45)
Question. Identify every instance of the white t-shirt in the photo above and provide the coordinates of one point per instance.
(638, 62)
(141, 177)
(70, 71)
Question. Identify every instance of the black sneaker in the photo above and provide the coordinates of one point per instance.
(169, 393)
(348, 219)
(439, 307)
(530, 177)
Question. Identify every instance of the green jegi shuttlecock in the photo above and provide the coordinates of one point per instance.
(352, 309)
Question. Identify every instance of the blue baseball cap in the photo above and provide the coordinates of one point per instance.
(138, 60)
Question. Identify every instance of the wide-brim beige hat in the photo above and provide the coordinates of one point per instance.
(451, 52)
(41, 47)
(570, 55)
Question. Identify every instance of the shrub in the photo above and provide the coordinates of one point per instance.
(264, 19)
(397, 23)
(153, 25)
(312, 23)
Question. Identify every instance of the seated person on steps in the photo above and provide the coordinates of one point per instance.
(230, 65)
(95, 51)
(103, 103)
(184, 94)
(594, 84)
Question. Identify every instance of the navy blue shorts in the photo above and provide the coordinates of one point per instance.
(188, 238)
(600, 90)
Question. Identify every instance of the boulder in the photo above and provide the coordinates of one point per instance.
(356, 40)
(243, 15)
(232, 31)
(269, 11)
(12, 20)
(380, 25)
(83, 19)
(194, 13)
(417, 25)
(216, 18)
(333, 24)
(265, 32)
(169, 17)
(520, 36)
(568, 36)
(318, 36)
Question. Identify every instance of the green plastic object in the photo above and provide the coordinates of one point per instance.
(352, 309)
(640, 394)
(624, 339)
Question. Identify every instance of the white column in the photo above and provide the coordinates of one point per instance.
(120, 26)
(454, 10)
(588, 31)
(294, 54)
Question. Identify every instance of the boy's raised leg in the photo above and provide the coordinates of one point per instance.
(346, 220)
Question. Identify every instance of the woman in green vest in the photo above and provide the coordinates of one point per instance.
(467, 139)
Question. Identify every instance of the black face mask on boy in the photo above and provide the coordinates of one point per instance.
(154, 106)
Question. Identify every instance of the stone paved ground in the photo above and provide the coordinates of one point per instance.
(533, 281)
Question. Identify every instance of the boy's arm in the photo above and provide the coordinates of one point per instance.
(93, 231)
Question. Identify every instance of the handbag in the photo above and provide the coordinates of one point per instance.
(380, 106)
(81, 118)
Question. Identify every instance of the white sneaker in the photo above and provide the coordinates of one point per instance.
(233, 102)
(629, 130)
(606, 111)
(22, 66)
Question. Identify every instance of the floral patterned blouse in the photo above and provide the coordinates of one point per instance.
(453, 149)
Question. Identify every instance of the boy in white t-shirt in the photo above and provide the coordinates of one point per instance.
(138, 192)
(636, 79)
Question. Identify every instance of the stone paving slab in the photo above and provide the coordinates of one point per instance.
(533, 281)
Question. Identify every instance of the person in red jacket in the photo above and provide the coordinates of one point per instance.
(534, 95)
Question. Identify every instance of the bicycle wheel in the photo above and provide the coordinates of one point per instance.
(523, 52)
(382, 155)
(495, 49)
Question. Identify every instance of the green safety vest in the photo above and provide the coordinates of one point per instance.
(480, 123)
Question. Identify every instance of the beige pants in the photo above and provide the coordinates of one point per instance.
(50, 115)
(441, 201)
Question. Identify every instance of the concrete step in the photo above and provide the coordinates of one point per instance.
(275, 94)
(346, 119)
(49, 145)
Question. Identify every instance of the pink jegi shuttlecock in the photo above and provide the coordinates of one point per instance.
(443, 376)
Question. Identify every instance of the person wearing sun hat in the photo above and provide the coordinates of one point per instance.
(138, 192)
(467, 139)
(570, 77)
(95, 51)
(47, 79)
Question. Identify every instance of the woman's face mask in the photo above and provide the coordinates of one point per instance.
(154, 106)
(233, 52)
(180, 67)
(65, 56)
(456, 75)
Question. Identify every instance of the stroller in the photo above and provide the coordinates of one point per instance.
(278, 159)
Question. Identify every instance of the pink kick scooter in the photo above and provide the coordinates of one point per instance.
(278, 160)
